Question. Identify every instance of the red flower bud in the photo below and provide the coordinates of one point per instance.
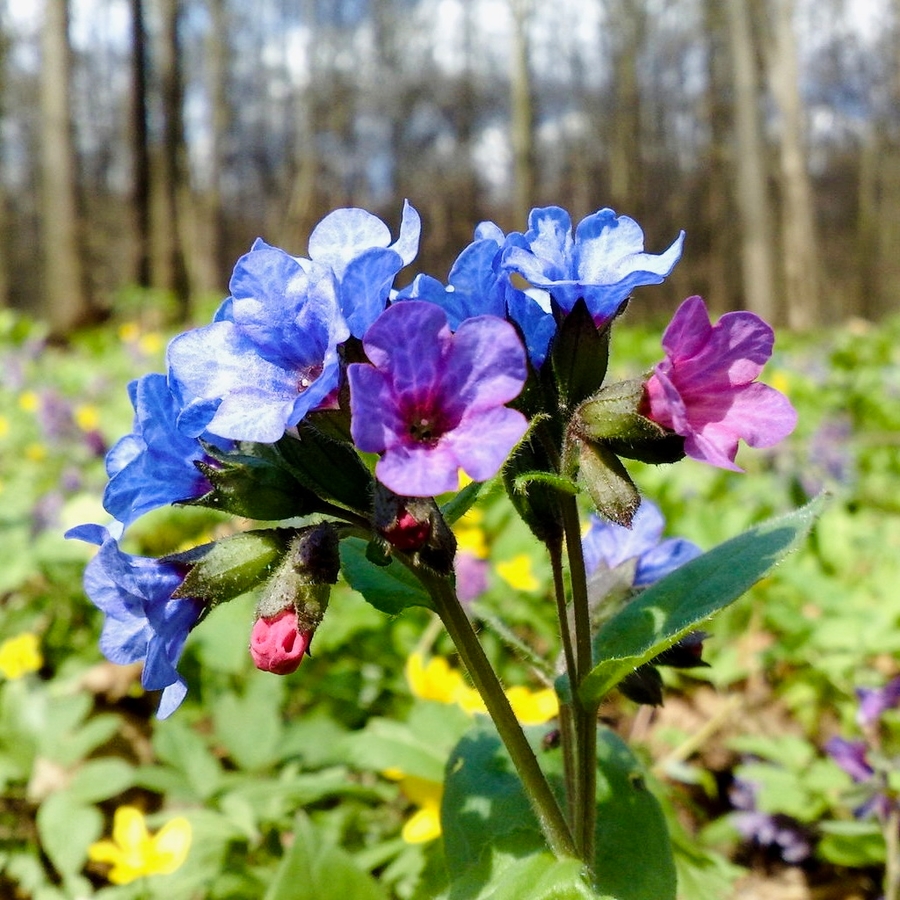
(277, 644)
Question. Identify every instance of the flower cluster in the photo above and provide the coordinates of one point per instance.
(323, 393)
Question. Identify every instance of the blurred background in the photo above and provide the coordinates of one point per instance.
(148, 142)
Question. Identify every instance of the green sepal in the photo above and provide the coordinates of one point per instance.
(231, 566)
(608, 484)
(579, 355)
(254, 483)
(612, 417)
(536, 502)
(329, 468)
(458, 505)
(669, 609)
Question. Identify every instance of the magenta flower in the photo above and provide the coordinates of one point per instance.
(705, 389)
(432, 402)
(277, 644)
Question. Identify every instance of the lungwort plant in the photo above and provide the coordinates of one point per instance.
(357, 422)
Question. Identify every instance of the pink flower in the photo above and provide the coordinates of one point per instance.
(277, 644)
(705, 389)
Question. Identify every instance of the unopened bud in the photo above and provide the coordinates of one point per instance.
(277, 644)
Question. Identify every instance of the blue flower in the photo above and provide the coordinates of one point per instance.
(271, 355)
(154, 465)
(356, 246)
(477, 285)
(143, 622)
(432, 402)
(603, 263)
(612, 545)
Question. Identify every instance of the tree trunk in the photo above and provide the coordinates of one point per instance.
(798, 240)
(522, 118)
(750, 163)
(65, 296)
(140, 147)
(171, 166)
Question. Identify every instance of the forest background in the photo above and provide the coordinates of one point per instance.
(148, 142)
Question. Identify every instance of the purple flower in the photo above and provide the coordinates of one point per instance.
(851, 757)
(874, 701)
(471, 576)
(603, 263)
(432, 401)
(777, 831)
(143, 622)
(154, 465)
(356, 246)
(705, 389)
(612, 545)
(270, 357)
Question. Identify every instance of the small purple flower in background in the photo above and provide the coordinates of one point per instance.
(269, 358)
(356, 246)
(830, 458)
(705, 389)
(603, 263)
(781, 833)
(612, 545)
(432, 402)
(154, 465)
(853, 758)
(143, 622)
(873, 702)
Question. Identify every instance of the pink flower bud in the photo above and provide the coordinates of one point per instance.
(277, 644)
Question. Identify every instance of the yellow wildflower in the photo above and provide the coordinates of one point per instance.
(150, 343)
(19, 656)
(518, 573)
(434, 681)
(129, 332)
(425, 823)
(133, 853)
(4, 426)
(533, 707)
(87, 417)
(470, 536)
(36, 452)
(29, 401)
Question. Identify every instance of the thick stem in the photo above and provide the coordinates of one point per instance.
(892, 849)
(543, 801)
(585, 718)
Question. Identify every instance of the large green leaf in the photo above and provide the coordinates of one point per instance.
(669, 609)
(391, 588)
(491, 834)
(313, 868)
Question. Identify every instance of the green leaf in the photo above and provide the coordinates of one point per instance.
(186, 752)
(66, 827)
(249, 725)
(461, 503)
(313, 868)
(488, 823)
(669, 609)
(100, 779)
(390, 588)
(856, 844)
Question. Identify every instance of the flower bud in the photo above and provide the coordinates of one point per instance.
(294, 600)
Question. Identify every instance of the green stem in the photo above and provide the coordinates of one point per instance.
(543, 801)
(585, 718)
(892, 850)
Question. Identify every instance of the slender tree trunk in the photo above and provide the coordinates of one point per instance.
(221, 117)
(752, 190)
(798, 239)
(521, 101)
(170, 226)
(140, 147)
(65, 296)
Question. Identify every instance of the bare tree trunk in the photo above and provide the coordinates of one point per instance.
(750, 164)
(522, 123)
(798, 238)
(170, 225)
(625, 138)
(221, 116)
(5, 236)
(65, 296)
(140, 146)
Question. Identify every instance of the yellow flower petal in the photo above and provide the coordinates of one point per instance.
(533, 707)
(434, 681)
(422, 826)
(29, 401)
(517, 573)
(169, 849)
(87, 417)
(20, 655)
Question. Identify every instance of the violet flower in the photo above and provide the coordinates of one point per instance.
(432, 402)
(603, 262)
(873, 702)
(269, 358)
(781, 833)
(154, 465)
(612, 545)
(143, 623)
(705, 389)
